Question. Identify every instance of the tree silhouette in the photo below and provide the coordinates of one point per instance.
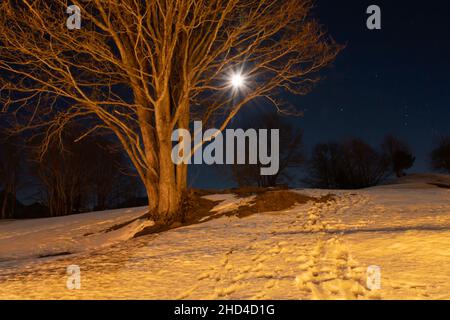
(399, 154)
(10, 164)
(440, 156)
(290, 155)
(76, 175)
(351, 164)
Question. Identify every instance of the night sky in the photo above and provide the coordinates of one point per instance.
(394, 80)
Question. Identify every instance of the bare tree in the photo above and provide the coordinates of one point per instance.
(399, 154)
(351, 164)
(142, 68)
(76, 175)
(10, 163)
(324, 166)
(108, 166)
(63, 171)
(440, 156)
(291, 153)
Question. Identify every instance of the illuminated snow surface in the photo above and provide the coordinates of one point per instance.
(314, 251)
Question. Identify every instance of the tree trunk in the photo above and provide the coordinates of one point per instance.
(169, 199)
(152, 193)
(5, 204)
(167, 190)
(149, 178)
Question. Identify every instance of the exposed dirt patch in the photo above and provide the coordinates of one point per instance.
(440, 185)
(57, 254)
(277, 201)
(250, 191)
(198, 209)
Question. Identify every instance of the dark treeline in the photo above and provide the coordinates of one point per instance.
(348, 164)
(69, 176)
(74, 173)
(353, 164)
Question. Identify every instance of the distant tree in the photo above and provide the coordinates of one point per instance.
(10, 160)
(76, 175)
(108, 165)
(352, 164)
(63, 172)
(440, 156)
(399, 154)
(324, 165)
(128, 192)
(290, 155)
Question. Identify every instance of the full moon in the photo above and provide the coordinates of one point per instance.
(237, 80)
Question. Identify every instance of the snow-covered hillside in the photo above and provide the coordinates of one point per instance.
(36, 238)
(313, 251)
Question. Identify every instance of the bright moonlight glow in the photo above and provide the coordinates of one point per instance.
(237, 80)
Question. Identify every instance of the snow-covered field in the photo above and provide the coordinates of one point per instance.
(313, 251)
